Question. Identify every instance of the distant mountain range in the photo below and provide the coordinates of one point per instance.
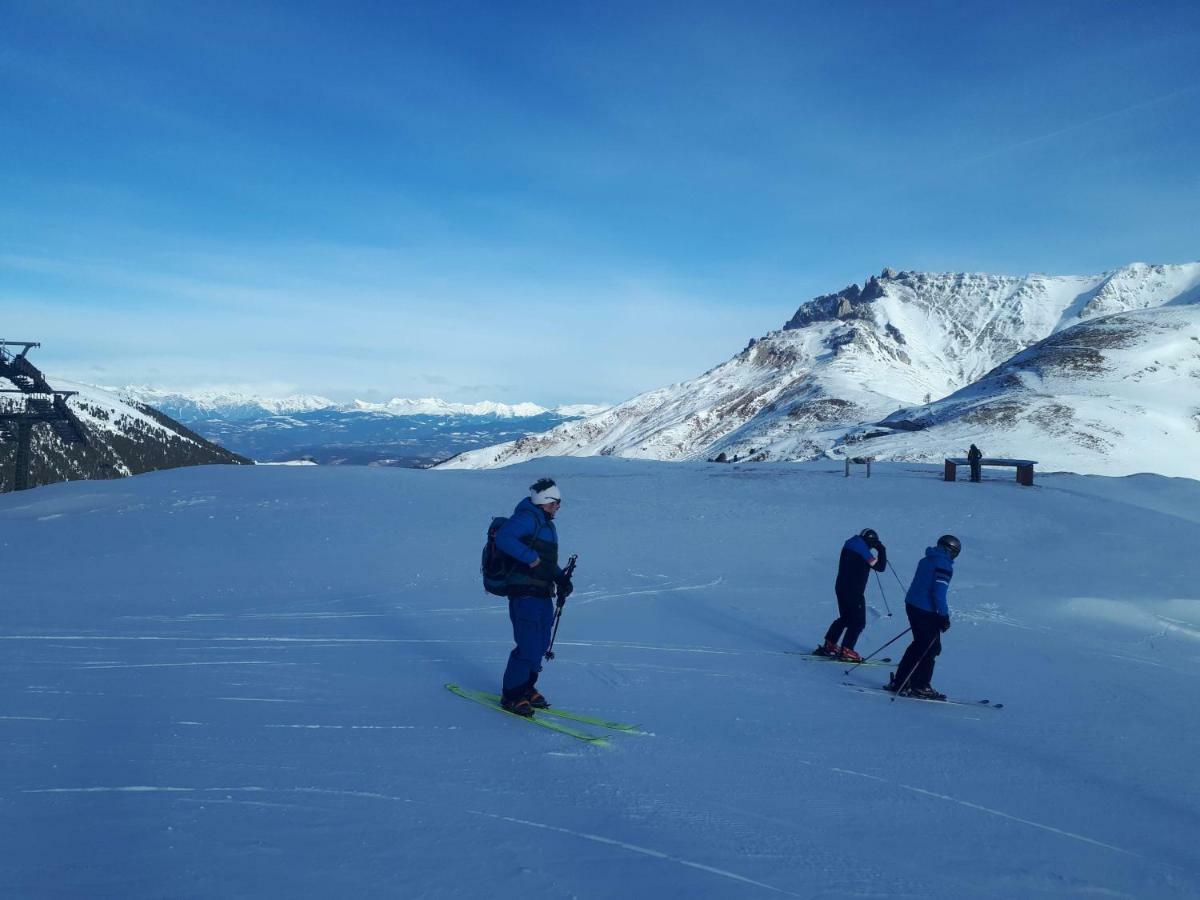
(400, 432)
(1096, 374)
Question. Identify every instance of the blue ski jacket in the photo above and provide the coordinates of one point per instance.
(530, 534)
(932, 582)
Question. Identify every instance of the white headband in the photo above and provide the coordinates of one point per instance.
(549, 495)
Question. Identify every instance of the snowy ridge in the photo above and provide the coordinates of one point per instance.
(223, 404)
(237, 406)
(431, 406)
(852, 358)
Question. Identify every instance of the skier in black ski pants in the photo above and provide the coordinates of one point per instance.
(929, 615)
(975, 457)
(854, 570)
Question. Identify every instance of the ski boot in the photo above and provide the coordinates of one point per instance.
(536, 700)
(925, 693)
(846, 654)
(829, 648)
(518, 706)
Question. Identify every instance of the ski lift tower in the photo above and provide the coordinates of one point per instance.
(36, 403)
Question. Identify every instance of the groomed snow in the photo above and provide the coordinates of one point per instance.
(227, 681)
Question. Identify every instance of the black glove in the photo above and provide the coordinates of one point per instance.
(944, 623)
(564, 589)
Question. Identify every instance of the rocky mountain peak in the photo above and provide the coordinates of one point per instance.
(848, 303)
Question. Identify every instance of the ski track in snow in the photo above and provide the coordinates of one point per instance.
(220, 662)
(634, 848)
(985, 809)
(369, 795)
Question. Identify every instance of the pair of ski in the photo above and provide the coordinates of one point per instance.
(886, 661)
(821, 657)
(976, 704)
(492, 701)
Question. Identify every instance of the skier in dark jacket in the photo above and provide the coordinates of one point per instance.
(929, 615)
(531, 539)
(974, 456)
(854, 570)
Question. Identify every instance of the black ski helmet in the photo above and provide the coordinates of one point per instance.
(868, 535)
(951, 544)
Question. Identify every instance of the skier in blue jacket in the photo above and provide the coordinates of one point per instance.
(530, 538)
(929, 615)
(854, 569)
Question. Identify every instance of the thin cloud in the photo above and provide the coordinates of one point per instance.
(1078, 126)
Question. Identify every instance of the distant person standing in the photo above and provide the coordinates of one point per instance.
(929, 615)
(854, 569)
(974, 456)
(530, 538)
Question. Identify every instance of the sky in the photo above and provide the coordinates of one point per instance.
(554, 202)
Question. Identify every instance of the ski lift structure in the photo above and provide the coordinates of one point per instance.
(35, 403)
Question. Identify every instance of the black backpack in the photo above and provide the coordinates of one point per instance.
(495, 563)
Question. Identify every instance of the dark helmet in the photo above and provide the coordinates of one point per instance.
(950, 544)
(868, 535)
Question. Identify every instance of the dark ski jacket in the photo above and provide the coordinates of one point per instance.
(854, 569)
(974, 455)
(528, 535)
(932, 582)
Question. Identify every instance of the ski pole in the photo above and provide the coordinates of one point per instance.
(915, 667)
(888, 644)
(879, 584)
(568, 571)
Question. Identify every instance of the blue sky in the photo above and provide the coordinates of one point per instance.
(557, 202)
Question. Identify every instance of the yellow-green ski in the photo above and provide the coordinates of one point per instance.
(580, 717)
(492, 701)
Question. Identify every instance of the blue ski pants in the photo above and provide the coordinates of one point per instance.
(533, 623)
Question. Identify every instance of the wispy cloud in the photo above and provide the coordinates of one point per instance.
(1080, 125)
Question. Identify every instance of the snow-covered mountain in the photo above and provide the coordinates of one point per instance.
(855, 357)
(228, 405)
(400, 432)
(124, 437)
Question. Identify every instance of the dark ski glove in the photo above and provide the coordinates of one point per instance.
(944, 623)
(881, 564)
(564, 590)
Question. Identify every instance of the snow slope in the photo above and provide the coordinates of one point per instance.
(856, 357)
(234, 688)
(1113, 395)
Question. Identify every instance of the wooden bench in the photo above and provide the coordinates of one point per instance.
(1024, 467)
(859, 461)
